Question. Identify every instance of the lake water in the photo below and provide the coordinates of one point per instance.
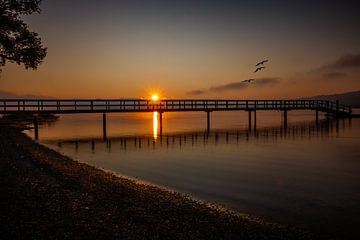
(306, 174)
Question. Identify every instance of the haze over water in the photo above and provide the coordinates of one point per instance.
(306, 174)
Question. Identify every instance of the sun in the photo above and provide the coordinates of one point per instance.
(154, 97)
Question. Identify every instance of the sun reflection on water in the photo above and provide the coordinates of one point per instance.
(155, 125)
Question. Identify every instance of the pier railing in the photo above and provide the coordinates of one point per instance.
(57, 106)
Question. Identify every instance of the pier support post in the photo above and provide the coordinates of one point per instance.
(104, 126)
(208, 121)
(36, 126)
(254, 120)
(317, 117)
(93, 145)
(249, 120)
(160, 123)
(285, 118)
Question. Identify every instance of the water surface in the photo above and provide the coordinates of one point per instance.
(306, 174)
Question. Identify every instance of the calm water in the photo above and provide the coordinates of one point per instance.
(306, 174)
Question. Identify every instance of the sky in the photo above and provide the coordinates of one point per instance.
(192, 49)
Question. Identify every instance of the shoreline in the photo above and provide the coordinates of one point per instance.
(51, 196)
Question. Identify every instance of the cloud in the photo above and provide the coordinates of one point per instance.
(229, 86)
(240, 85)
(196, 92)
(234, 86)
(334, 75)
(349, 61)
(265, 82)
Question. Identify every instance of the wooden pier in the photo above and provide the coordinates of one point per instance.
(75, 106)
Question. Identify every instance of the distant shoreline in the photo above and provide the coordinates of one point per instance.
(351, 99)
(52, 196)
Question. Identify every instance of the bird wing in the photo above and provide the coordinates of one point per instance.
(262, 62)
(258, 69)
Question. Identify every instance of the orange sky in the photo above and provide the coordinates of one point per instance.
(115, 53)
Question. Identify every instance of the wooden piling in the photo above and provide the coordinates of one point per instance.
(36, 126)
(208, 121)
(249, 120)
(104, 126)
(160, 123)
(254, 120)
(285, 118)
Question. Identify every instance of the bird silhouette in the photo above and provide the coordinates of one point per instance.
(261, 63)
(249, 80)
(258, 69)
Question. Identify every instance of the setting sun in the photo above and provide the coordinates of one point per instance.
(155, 97)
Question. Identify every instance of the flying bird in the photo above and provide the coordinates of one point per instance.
(258, 69)
(249, 80)
(261, 63)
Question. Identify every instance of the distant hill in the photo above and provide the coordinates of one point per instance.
(10, 95)
(351, 99)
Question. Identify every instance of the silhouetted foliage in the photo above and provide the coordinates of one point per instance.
(17, 43)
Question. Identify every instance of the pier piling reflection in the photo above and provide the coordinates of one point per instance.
(198, 138)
